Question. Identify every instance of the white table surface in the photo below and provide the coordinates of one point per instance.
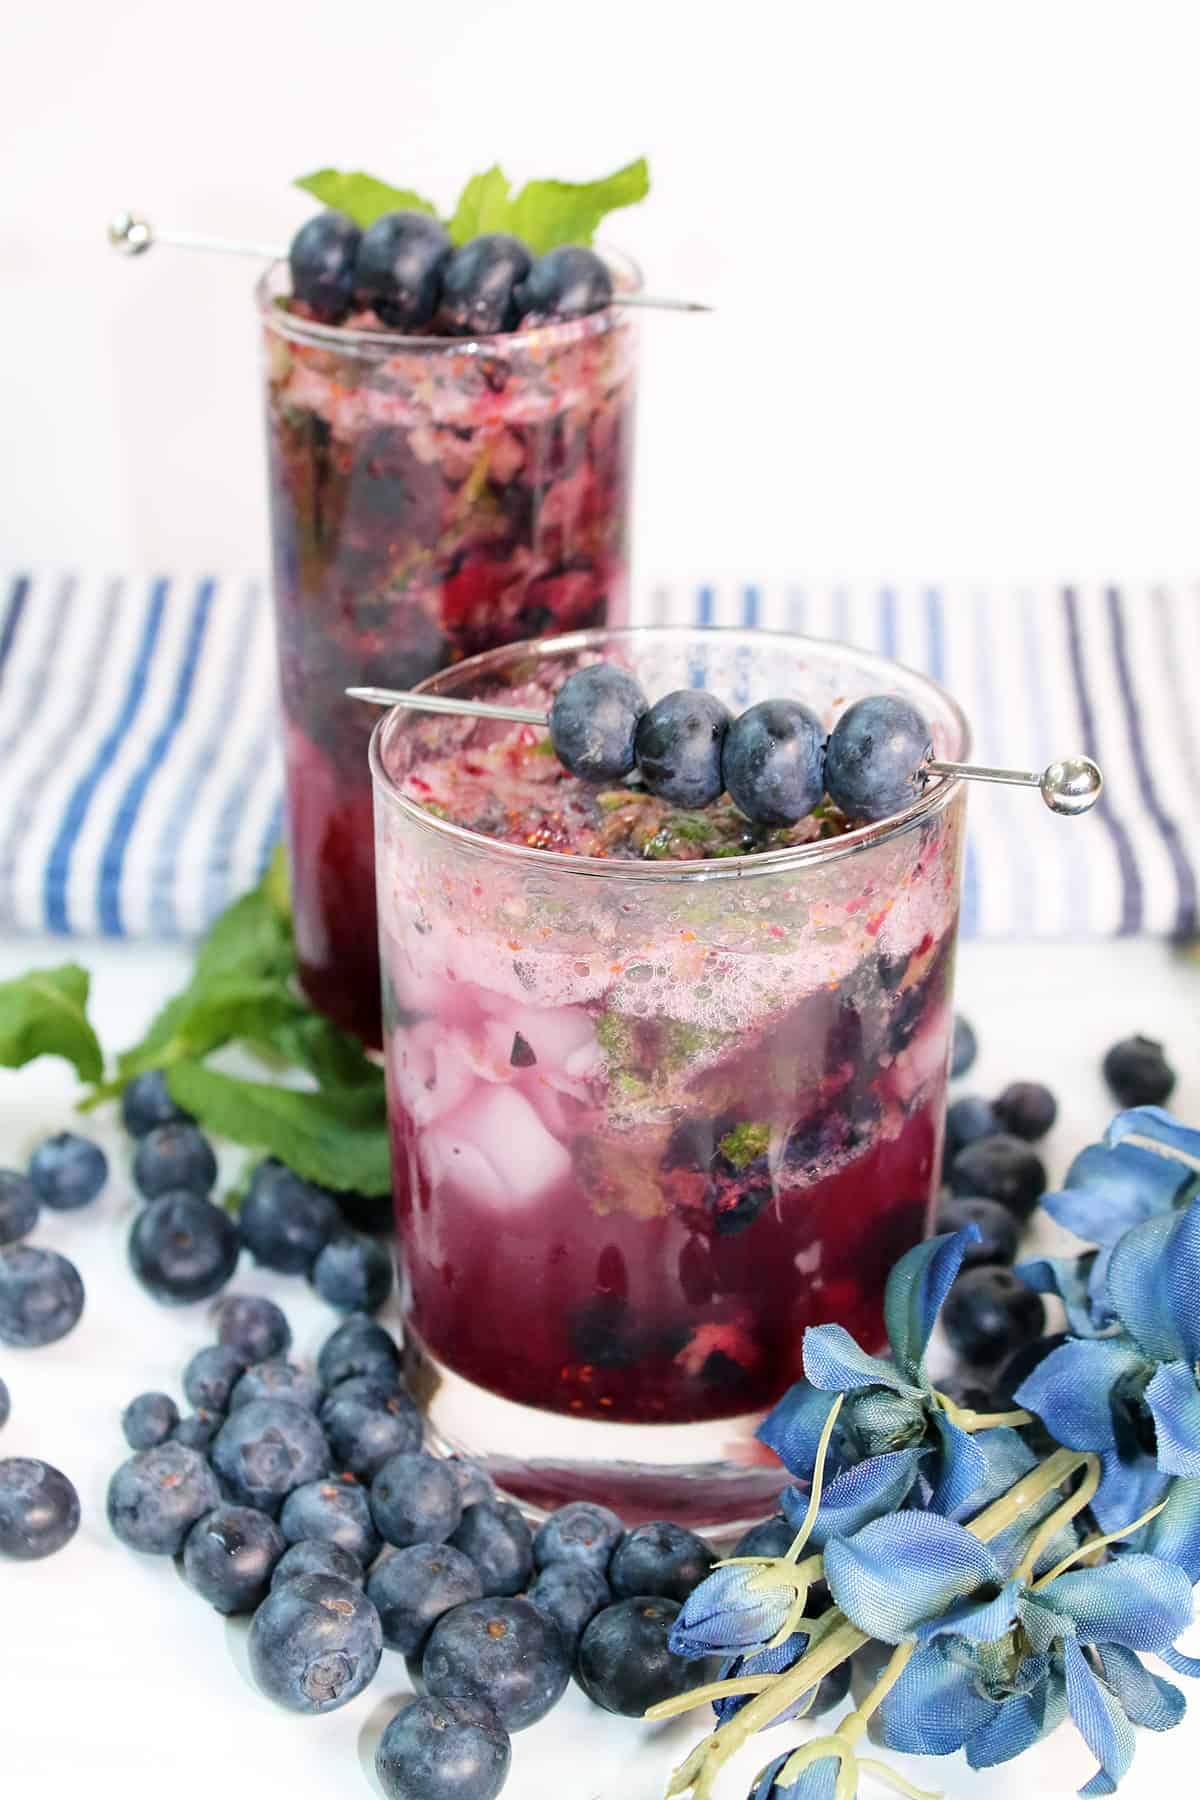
(116, 1679)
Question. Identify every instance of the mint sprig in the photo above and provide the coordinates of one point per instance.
(44, 1013)
(543, 214)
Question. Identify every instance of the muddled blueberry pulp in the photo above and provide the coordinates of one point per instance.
(664, 1163)
(427, 503)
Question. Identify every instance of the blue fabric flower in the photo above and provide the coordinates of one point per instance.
(1134, 1398)
(762, 1662)
(736, 1608)
(1138, 1172)
(816, 1782)
(998, 1662)
(891, 1433)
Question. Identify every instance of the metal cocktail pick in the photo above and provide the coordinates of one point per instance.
(1071, 785)
(130, 234)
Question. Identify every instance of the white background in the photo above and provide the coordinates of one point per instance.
(953, 244)
(117, 1683)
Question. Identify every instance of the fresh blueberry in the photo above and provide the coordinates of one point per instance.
(659, 1558)
(316, 1556)
(229, 1556)
(314, 1643)
(353, 1273)
(1000, 1168)
(1138, 1073)
(968, 1119)
(988, 1313)
(498, 1541)
(359, 1346)
(39, 1508)
(999, 1232)
(266, 1449)
(772, 762)
(277, 1379)
(413, 1588)
(505, 1652)
(210, 1377)
(399, 269)
(478, 282)
(368, 1421)
(371, 1213)
(449, 1749)
(322, 260)
(68, 1171)
(474, 1482)
(580, 1532)
(19, 1206)
(254, 1327)
(964, 1046)
(174, 1157)
(5, 1405)
(874, 757)
(198, 1429)
(415, 1499)
(182, 1248)
(570, 1593)
(678, 747)
(286, 1222)
(624, 1662)
(148, 1420)
(1026, 1109)
(156, 1497)
(565, 283)
(41, 1297)
(594, 720)
(146, 1103)
(333, 1510)
(770, 1537)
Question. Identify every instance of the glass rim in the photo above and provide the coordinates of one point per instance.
(555, 335)
(792, 856)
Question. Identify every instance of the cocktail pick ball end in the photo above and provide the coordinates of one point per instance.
(129, 234)
(1072, 786)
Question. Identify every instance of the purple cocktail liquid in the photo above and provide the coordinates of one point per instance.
(430, 498)
(665, 1088)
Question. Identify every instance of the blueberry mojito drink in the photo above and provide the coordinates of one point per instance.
(667, 1021)
(449, 424)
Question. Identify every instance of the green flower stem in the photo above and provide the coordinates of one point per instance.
(967, 1420)
(792, 1554)
(1062, 1515)
(1098, 1543)
(855, 1723)
(697, 1774)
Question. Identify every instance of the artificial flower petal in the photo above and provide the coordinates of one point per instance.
(763, 1662)
(1156, 1123)
(793, 1427)
(732, 1609)
(1137, 1601)
(1018, 1722)
(934, 1707)
(816, 1782)
(1174, 1399)
(1069, 1391)
(1070, 1277)
(1174, 1535)
(1100, 1721)
(961, 1469)
(916, 1290)
(897, 1572)
(1146, 1699)
(1109, 1189)
(1127, 1489)
(858, 1495)
(836, 1364)
(1139, 1286)
(978, 1621)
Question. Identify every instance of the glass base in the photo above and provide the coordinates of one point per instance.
(713, 1477)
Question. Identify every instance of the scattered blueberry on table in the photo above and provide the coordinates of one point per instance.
(265, 1449)
(449, 1749)
(229, 1557)
(581, 1533)
(359, 1346)
(989, 1312)
(415, 1499)
(39, 1509)
(317, 1556)
(5, 1405)
(999, 1232)
(146, 1103)
(353, 1273)
(503, 1651)
(156, 1497)
(286, 1222)
(414, 1588)
(659, 1558)
(19, 1206)
(182, 1248)
(1001, 1168)
(367, 1421)
(197, 1430)
(149, 1419)
(254, 1327)
(1138, 1072)
(314, 1643)
(211, 1375)
(174, 1157)
(41, 1296)
(625, 1663)
(570, 1593)
(494, 1535)
(68, 1171)
(277, 1379)
(333, 1509)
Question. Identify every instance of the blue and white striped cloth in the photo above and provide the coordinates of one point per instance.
(140, 772)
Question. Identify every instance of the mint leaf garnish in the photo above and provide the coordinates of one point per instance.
(482, 206)
(44, 1013)
(744, 1144)
(361, 197)
(337, 1137)
(546, 213)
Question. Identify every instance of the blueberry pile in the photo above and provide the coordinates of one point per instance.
(994, 1179)
(775, 760)
(405, 269)
(311, 1506)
